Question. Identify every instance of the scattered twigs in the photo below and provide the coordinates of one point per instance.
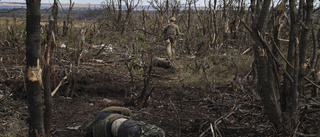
(316, 101)
(206, 77)
(101, 49)
(311, 82)
(178, 116)
(60, 83)
(5, 69)
(237, 71)
(129, 67)
(203, 133)
(212, 131)
(248, 72)
(296, 129)
(4, 97)
(315, 56)
(120, 60)
(219, 120)
(306, 135)
(246, 51)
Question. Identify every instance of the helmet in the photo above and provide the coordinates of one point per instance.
(172, 19)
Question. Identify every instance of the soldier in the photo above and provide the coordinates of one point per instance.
(117, 122)
(170, 32)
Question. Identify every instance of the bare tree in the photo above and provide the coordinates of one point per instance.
(268, 84)
(175, 5)
(50, 45)
(130, 5)
(268, 66)
(119, 14)
(67, 25)
(113, 14)
(55, 11)
(34, 71)
(189, 2)
(161, 6)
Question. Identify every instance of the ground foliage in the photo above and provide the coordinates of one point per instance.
(176, 105)
(205, 91)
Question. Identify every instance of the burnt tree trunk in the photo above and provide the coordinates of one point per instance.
(189, 16)
(47, 78)
(288, 85)
(55, 9)
(267, 84)
(120, 25)
(304, 39)
(34, 72)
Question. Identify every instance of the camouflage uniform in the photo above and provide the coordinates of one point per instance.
(105, 121)
(171, 31)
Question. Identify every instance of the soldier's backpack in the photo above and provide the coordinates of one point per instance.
(171, 30)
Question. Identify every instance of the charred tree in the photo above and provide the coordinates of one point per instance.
(267, 84)
(189, 14)
(288, 84)
(34, 72)
(304, 39)
(130, 6)
(49, 42)
(120, 25)
(284, 112)
(67, 26)
(162, 8)
(55, 9)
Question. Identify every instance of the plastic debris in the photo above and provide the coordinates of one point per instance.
(63, 45)
(4, 94)
(101, 46)
(74, 128)
(110, 49)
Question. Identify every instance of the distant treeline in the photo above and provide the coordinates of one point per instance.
(78, 14)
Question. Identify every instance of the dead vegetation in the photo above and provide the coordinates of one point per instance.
(210, 89)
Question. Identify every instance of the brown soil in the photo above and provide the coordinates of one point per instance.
(180, 109)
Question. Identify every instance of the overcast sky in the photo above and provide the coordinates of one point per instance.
(144, 2)
(85, 1)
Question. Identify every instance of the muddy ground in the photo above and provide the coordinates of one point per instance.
(179, 107)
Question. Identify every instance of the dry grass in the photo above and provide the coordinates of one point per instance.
(212, 70)
(22, 21)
